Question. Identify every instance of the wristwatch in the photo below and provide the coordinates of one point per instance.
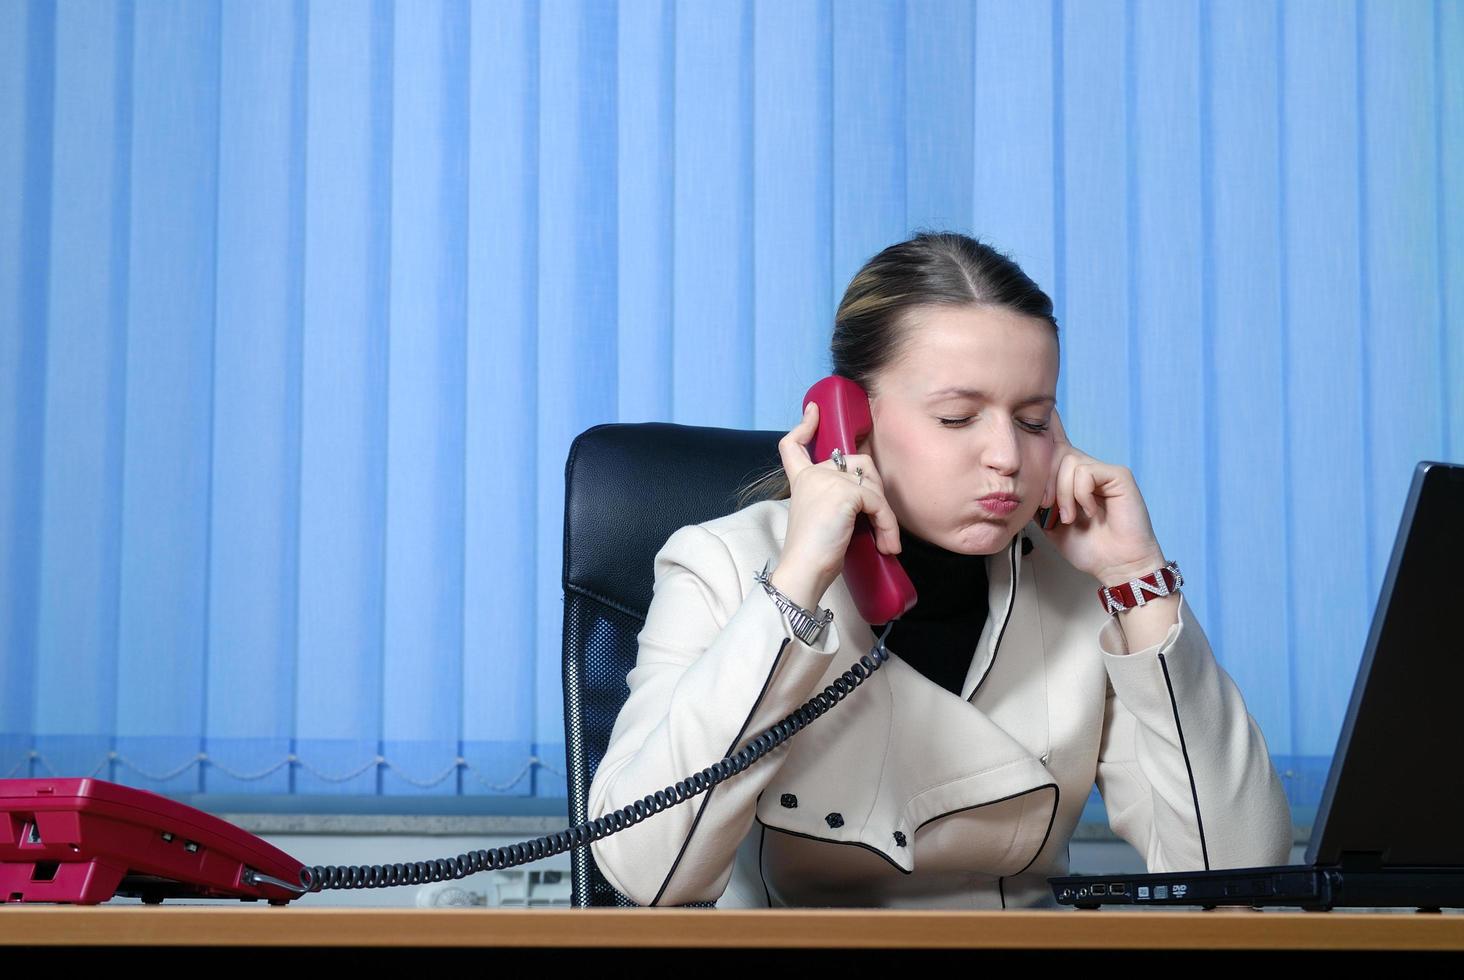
(1131, 594)
(807, 626)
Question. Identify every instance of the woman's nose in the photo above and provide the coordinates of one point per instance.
(1000, 451)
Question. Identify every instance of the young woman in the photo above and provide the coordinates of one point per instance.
(953, 776)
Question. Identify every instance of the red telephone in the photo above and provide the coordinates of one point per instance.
(84, 840)
(877, 581)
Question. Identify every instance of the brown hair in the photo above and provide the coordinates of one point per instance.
(931, 268)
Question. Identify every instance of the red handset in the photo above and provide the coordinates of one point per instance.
(877, 581)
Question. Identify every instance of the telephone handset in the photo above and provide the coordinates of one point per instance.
(878, 582)
(82, 841)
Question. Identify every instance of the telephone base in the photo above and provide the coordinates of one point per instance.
(83, 841)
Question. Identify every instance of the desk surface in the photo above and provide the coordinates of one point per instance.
(1221, 928)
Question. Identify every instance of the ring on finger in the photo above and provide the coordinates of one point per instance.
(838, 457)
(860, 470)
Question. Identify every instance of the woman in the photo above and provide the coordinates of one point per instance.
(946, 779)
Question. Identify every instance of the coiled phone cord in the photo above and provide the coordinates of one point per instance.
(326, 877)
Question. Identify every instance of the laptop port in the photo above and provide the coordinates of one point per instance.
(1100, 889)
(1118, 888)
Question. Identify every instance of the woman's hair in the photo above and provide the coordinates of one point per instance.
(871, 325)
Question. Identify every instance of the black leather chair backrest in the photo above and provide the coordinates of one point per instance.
(627, 488)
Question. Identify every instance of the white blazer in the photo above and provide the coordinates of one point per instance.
(904, 794)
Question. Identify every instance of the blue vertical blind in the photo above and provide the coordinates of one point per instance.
(301, 305)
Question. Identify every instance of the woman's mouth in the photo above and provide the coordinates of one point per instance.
(1000, 504)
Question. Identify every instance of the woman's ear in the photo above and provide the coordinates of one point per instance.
(862, 446)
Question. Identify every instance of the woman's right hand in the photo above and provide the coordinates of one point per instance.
(823, 505)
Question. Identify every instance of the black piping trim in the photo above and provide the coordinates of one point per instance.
(855, 843)
(859, 843)
(639, 615)
(1011, 602)
(1051, 819)
(1194, 792)
(1056, 796)
(761, 841)
(708, 798)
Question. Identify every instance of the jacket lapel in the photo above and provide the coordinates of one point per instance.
(1003, 573)
(1008, 676)
(900, 751)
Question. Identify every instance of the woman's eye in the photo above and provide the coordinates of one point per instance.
(1029, 426)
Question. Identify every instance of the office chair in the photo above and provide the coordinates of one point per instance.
(627, 488)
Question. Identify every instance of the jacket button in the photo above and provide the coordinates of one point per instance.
(835, 819)
(1027, 545)
(900, 837)
(789, 800)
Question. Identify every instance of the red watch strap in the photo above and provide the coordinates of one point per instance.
(1134, 592)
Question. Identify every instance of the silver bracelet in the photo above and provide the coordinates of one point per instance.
(807, 626)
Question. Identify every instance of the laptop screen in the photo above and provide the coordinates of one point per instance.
(1396, 785)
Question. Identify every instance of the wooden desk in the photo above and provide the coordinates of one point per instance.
(779, 933)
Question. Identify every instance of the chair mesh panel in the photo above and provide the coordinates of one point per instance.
(600, 644)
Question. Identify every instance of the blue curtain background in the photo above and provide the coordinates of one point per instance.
(301, 305)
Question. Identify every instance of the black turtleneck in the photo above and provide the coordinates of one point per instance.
(937, 636)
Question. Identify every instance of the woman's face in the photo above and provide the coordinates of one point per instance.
(992, 375)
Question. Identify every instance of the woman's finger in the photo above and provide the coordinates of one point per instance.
(793, 447)
(1059, 434)
(871, 473)
(1084, 483)
(873, 481)
(1049, 491)
(853, 463)
(882, 516)
(873, 501)
(1064, 487)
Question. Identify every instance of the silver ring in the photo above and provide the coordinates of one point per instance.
(860, 471)
(838, 457)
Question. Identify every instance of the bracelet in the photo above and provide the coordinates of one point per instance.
(1130, 594)
(806, 625)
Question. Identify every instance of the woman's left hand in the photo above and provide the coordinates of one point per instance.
(1103, 528)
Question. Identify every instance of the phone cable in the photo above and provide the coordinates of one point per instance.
(330, 877)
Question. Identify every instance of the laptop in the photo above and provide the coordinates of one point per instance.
(1388, 829)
